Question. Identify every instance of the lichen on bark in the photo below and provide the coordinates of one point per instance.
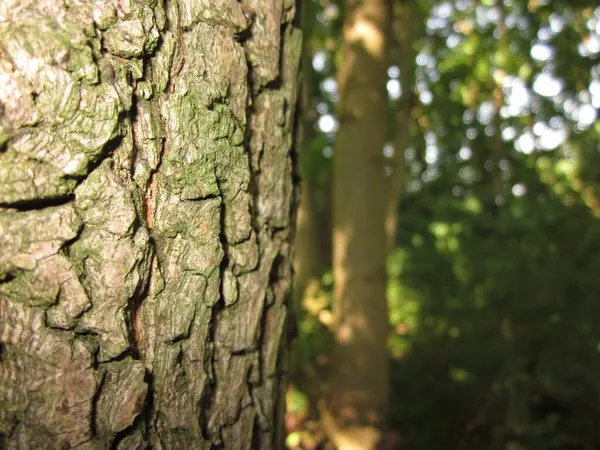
(145, 222)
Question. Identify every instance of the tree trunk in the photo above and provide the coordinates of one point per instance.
(146, 207)
(359, 378)
(309, 259)
(408, 26)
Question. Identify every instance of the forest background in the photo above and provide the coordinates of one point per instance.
(490, 169)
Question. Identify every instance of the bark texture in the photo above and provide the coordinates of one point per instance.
(359, 379)
(146, 203)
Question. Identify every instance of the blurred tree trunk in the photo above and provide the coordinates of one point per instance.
(310, 251)
(358, 400)
(408, 26)
(146, 203)
(309, 254)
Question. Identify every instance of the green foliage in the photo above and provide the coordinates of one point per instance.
(498, 236)
(504, 312)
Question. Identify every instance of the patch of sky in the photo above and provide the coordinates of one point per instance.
(328, 123)
(542, 52)
(319, 61)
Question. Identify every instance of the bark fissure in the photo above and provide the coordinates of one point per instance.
(8, 277)
(94, 409)
(210, 398)
(133, 314)
(38, 203)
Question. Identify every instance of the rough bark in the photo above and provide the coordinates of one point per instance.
(146, 202)
(359, 378)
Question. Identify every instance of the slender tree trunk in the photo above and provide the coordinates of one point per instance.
(408, 25)
(146, 207)
(359, 379)
(309, 259)
(309, 254)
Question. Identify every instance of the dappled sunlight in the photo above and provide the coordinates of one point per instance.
(350, 437)
(366, 34)
(355, 326)
(342, 238)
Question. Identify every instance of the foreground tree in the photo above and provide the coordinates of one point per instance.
(146, 193)
(359, 379)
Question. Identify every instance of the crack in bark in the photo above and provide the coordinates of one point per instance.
(107, 150)
(211, 390)
(38, 203)
(9, 276)
(217, 308)
(133, 112)
(63, 199)
(129, 353)
(136, 302)
(150, 193)
(133, 310)
(133, 317)
(94, 408)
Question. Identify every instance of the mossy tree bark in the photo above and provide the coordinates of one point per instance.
(146, 202)
(359, 380)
